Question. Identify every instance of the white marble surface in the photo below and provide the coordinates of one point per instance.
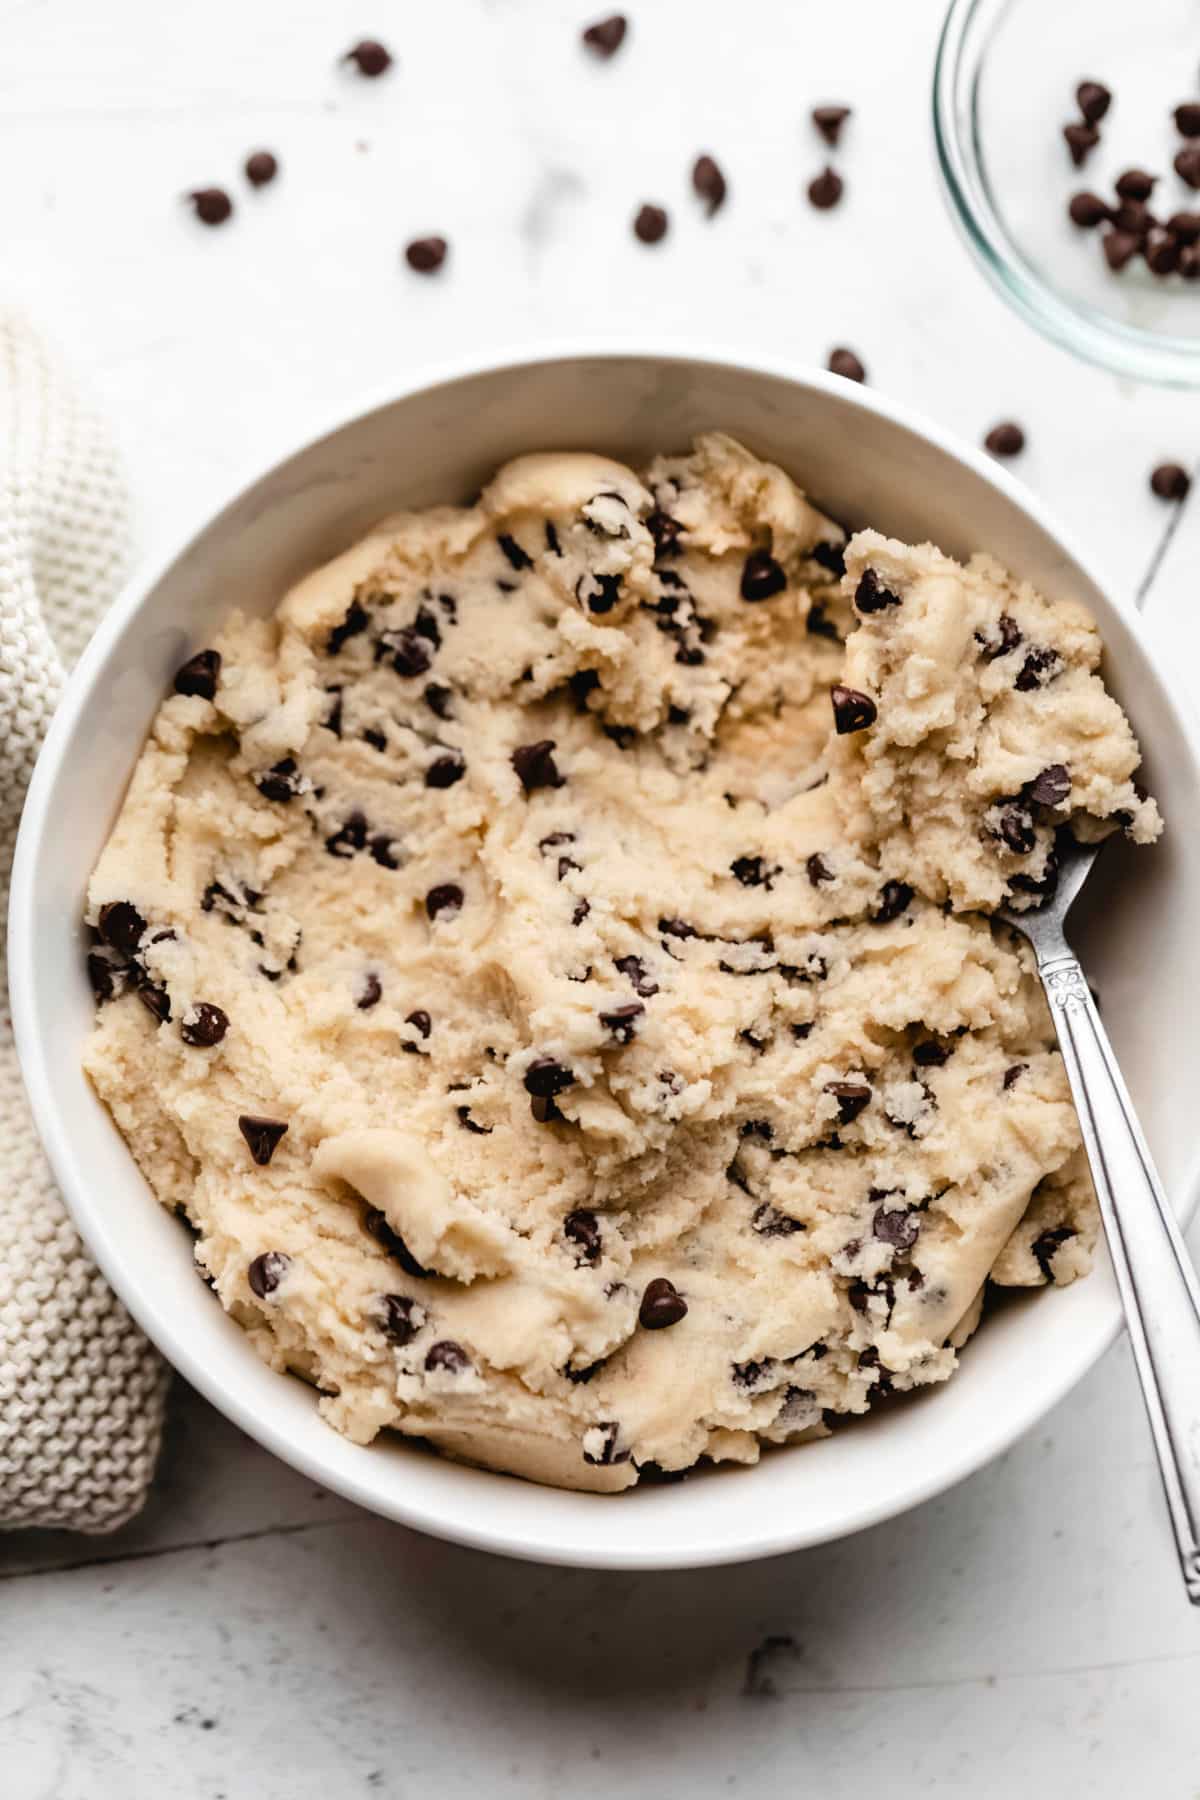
(250, 1636)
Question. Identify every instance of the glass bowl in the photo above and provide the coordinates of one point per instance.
(1004, 87)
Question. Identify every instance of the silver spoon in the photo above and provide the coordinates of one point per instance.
(1159, 1288)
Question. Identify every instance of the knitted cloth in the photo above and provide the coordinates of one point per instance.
(81, 1391)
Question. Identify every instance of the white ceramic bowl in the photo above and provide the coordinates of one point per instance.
(864, 460)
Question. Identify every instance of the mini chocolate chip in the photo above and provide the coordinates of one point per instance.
(446, 898)
(582, 909)
(369, 58)
(762, 576)
(261, 167)
(350, 836)
(845, 362)
(830, 556)
(852, 1098)
(818, 870)
(121, 925)
(262, 1136)
(390, 1240)
(650, 224)
(156, 1001)
(198, 675)
(858, 1293)
(400, 1318)
(769, 1222)
(421, 1020)
(1013, 1074)
(1093, 100)
(546, 1078)
(1006, 439)
(536, 767)
(448, 1357)
(1135, 184)
(211, 205)
(445, 771)
(1185, 226)
(1161, 253)
(1119, 248)
(665, 531)
(1039, 667)
(1171, 482)
(661, 1305)
(514, 556)
(333, 718)
(607, 1451)
(801, 1031)
(355, 621)
(544, 1110)
(281, 782)
(607, 35)
(582, 1228)
(829, 121)
(1016, 827)
(897, 1227)
(599, 593)
(1081, 141)
(895, 897)
(1051, 787)
(825, 189)
(1006, 641)
(437, 698)
(852, 711)
(750, 1374)
(622, 1021)
(1187, 165)
(929, 1055)
(750, 871)
(383, 851)
(267, 1271)
(107, 977)
(408, 651)
(870, 596)
(376, 738)
(1087, 210)
(472, 1125)
(370, 993)
(1044, 1247)
(1187, 119)
(676, 928)
(709, 183)
(634, 969)
(203, 1025)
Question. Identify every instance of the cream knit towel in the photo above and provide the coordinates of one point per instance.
(81, 1391)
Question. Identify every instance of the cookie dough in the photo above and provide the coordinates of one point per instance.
(548, 964)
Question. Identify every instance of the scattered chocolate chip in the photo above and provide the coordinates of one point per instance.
(445, 771)
(622, 1021)
(897, 1227)
(267, 1271)
(448, 1357)
(650, 225)
(354, 622)
(1014, 1074)
(400, 1318)
(121, 925)
(383, 851)
(370, 992)
(376, 1222)
(825, 189)
(349, 837)
(261, 167)
(852, 711)
(420, 1021)
(1087, 209)
(1051, 787)
(1093, 100)
(1135, 184)
(545, 1078)
(750, 871)
(281, 782)
(769, 1222)
(1007, 638)
(709, 183)
(870, 596)
(1119, 248)
(203, 1025)
(536, 767)
(426, 255)
(845, 362)
(1187, 165)
(1185, 226)
(582, 1228)
(262, 1136)
(369, 58)
(929, 1054)
(1039, 667)
(156, 1001)
(830, 556)
(895, 897)
(514, 556)
(446, 898)
(829, 121)
(1006, 439)
(1187, 119)
(1170, 481)
(818, 870)
(198, 675)
(408, 651)
(661, 1305)
(607, 35)
(852, 1098)
(1161, 252)
(635, 971)
(801, 1031)
(1015, 825)
(1081, 141)
(1045, 1246)
(212, 205)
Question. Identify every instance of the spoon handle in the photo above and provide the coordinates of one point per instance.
(1158, 1284)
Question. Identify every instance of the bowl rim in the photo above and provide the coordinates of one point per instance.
(1086, 331)
(760, 1538)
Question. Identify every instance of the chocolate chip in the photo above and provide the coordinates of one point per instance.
(1081, 141)
(390, 1240)
(825, 189)
(515, 557)
(437, 698)
(1185, 226)
(536, 767)
(369, 58)
(349, 837)
(1161, 252)
(545, 1078)
(407, 650)
(261, 167)
(1051, 787)
(445, 771)
(752, 1374)
(852, 711)
(800, 1032)
(446, 898)
(661, 1305)
(1015, 825)
(465, 1119)
(665, 531)
(198, 675)
(400, 1318)
(1169, 481)
(607, 35)
(582, 1228)
(1187, 165)
(635, 971)
(267, 1271)
(858, 1293)
(262, 1136)
(156, 1001)
(1087, 209)
(709, 183)
(1135, 184)
(1093, 100)
(845, 362)
(212, 205)
(818, 870)
(606, 1451)
(1039, 667)
(769, 1222)
(831, 557)
(650, 225)
(829, 121)
(1007, 638)
(281, 782)
(1119, 248)
(622, 1021)
(599, 593)
(333, 718)
(1045, 1246)
(121, 925)
(870, 596)
(929, 1055)
(1187, 119)
(897, 1227)
(354, 622)
(426, 255)
(370, 992)
(750, 871)
(852, 1098)
(376, 738)
(761, 576)
(1014, 1074)
(582, 909)
(448, 1357)
(108, 977)
(544, 1110)
(895, 897)
(1006, 439)
(203, 1025)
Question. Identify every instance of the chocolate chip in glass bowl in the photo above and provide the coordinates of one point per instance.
(1120, 247)
(582, 1228)
(261, 167)
(606, 36)
(1187, 165)
(1015, 826)
(1170, 481)
(1006, 439)
(762, 577)
(211, 205)
(426, 255)
(1081, 141)
(650, 224)
(709, 183)
(1093, 100)
(852, 711)
(845, 363)
(262, 1136)
(267, 1271)
(829, 121)
(929, 1054)
(281, 782)
(198, 675)
(662, 1305)
(1087, 210)
(203, 1025)
(1135, 184)
(1013, 1075)
(825, 189)
(370, 58)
